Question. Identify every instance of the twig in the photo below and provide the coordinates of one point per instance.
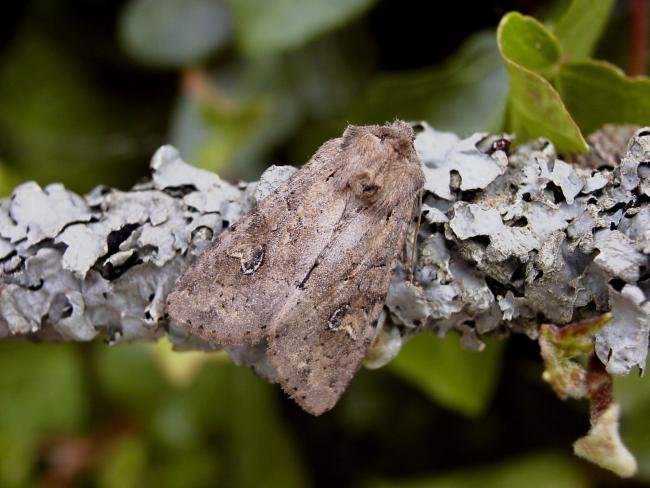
(507, 242)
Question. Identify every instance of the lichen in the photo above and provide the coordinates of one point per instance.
(506, 242)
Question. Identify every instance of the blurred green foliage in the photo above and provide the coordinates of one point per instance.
(581, 25)
(174, 33)
(634, 395)
(89, 89)
(466, 93)
(265, 28)
(250, 448)
(540, 470)
(461, 380)
(56, 123)
(41, 393)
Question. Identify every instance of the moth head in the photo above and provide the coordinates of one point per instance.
(397, 135)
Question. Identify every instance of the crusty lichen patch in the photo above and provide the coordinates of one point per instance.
(510, 246)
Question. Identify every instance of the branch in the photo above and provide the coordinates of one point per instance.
(506, 243)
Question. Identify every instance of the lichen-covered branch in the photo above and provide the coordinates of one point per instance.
(506, 242)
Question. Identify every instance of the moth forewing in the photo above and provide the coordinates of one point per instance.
(308, 270)
(322, 335)
(233, 291)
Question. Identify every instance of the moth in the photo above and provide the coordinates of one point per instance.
(305, 274)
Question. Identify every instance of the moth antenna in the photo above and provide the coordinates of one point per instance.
(411, 272)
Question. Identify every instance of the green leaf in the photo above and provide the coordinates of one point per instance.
(465, 94)
(174, 32)
(533, 471)
(460, 380)
(535, 108)
(581, 26)
(525, 42)
(596, 92)
(267, 27)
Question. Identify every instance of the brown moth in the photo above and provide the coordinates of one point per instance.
(306, 272)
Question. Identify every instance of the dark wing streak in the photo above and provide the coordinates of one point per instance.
(327, 247)
(219, 302)
(315, 363)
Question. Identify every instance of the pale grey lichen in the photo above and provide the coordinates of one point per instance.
(505, 243)
(34, 224)
(274, 176)
(444, 153)
(623, 342)
(471, 220)
(618, 255)
(545, 241)
(105, 263)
